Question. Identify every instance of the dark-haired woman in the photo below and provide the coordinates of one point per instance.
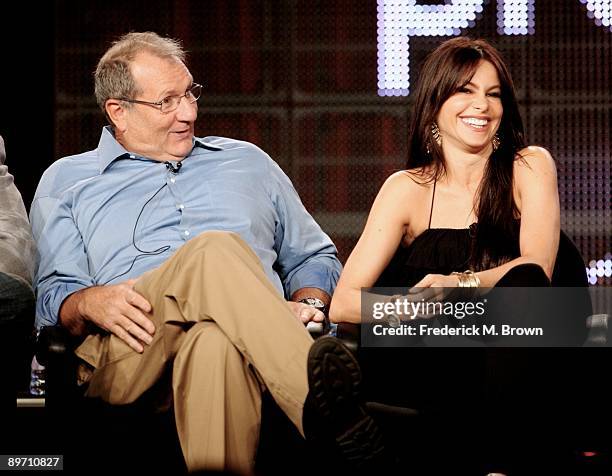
(476, 206)
(473, 195)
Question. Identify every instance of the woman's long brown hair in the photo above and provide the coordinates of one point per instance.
(446, 69)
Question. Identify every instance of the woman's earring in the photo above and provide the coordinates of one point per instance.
(495, 142)
(435, 132)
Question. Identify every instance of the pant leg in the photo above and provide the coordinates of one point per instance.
(16, 300)
(524, 275)
(217, 402)
(214, 277)
(16, 325)
(524, 382)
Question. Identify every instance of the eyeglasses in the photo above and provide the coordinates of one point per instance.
(171, 103)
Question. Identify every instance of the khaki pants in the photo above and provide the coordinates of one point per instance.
(224, 328)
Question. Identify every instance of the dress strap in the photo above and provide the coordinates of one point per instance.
(433, 195)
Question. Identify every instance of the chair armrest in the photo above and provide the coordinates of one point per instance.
(319, 329)
(598, 330)
(52, 342)
(55, 350)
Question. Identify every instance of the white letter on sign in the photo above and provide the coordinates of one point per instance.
(398, 20)
(515, 17)
(600, 11)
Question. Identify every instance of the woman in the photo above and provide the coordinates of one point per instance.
(474, 207)
(473, 196)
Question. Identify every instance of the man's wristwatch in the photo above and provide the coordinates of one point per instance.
(316, 303)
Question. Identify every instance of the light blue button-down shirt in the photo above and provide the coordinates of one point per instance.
(106, 215)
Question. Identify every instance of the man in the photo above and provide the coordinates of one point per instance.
(167, 250)
(16, 296)
(16, 250)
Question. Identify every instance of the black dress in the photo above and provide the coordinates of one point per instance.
(444, 250)
(462, 389)
(440, 251)
(447, 386)
(435, 251)
(426, 378)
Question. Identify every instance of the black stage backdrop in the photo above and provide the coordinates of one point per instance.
(300, 79)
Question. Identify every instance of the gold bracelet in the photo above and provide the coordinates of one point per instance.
(467, 279)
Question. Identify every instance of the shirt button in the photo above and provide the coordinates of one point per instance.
(186, 232)
(172, 180)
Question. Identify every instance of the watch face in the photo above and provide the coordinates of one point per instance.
(314, 302)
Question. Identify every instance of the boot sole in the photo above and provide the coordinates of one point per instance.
(334, 381)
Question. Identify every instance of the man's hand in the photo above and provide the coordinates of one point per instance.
(305, 313)
(118, 309)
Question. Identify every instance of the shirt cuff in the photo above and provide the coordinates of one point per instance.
(47, 307)
(316, 275)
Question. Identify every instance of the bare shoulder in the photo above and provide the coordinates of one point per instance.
(407, 177)
(401, 184)
(398, 199)
(410, 181)
(535, 159)
(535, 174)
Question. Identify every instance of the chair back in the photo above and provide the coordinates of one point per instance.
(569, 270)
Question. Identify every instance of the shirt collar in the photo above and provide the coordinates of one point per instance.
(110, 150)
(197, 142)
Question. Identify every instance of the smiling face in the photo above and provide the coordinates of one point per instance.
(469, 118)
(142, 128)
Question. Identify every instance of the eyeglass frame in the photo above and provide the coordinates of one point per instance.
(158, 104)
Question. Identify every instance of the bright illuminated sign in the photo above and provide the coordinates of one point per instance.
(398, 20)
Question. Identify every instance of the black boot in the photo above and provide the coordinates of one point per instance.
(333, 411)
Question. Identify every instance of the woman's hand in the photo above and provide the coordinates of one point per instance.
(432, 288)
(437, 281)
